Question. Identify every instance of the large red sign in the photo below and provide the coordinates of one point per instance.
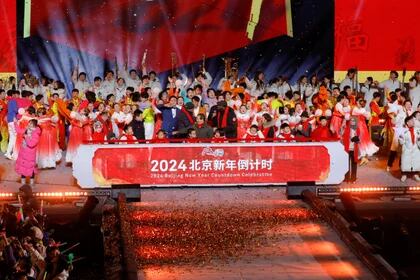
(8, 36)
(205, 164)
(376, 35)
(211, 165)
(190, 28)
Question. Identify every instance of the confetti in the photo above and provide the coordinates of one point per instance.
(199, 235)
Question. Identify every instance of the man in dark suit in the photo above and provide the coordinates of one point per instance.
(138, 125)
(224, 118)
(186, 120)
(170, 116)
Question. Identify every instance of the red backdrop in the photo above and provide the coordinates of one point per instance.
(189, 28)
(8, 36)
(377, 35)
(373, 35)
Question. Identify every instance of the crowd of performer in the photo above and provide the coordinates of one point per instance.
(42, 122)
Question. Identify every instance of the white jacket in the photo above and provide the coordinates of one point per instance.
(415, 96)
(410, 157)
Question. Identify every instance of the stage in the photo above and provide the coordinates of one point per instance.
(62, 180)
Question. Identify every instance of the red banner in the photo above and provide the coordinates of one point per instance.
(376, 35)
(8, 36)
(124, 29)
(224, 165)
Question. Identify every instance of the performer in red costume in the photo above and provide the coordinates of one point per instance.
(323, 132)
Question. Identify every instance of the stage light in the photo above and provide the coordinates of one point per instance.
(75, 194)
(60, 194)
(335, 191)
(6, 196)
(364, 189)
(49, 194)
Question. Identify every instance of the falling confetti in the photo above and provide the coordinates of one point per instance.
(200, 235)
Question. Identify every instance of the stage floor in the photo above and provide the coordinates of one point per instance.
(61, 178)
(302, 248)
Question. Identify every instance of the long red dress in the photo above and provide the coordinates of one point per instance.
(337, 119)
(366, 146)
(375, 112)
(49, 152)
(244, 122)
(76, 136)
(87, 131)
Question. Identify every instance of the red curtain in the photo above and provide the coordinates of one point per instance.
(8, 36)
(376, 35)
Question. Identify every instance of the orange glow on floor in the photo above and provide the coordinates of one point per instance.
(303, 229)
(316, 248)
(291, 270)
(340, 269)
